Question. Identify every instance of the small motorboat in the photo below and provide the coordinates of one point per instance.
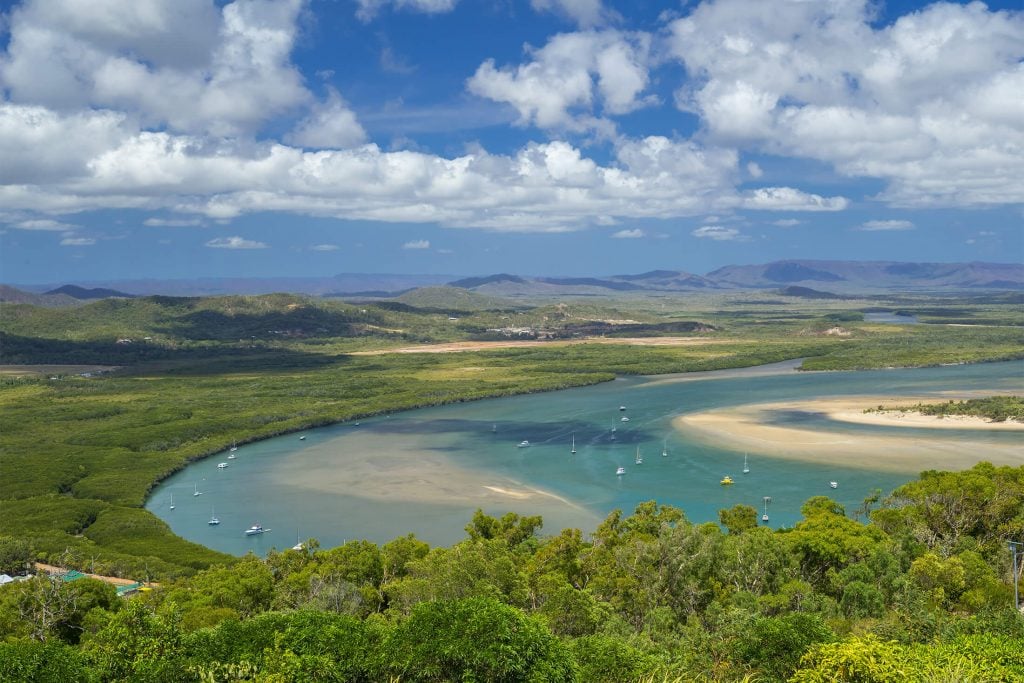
(523, 444)
(834, 484)
(302, 438)
(620, 471)
(622, 407)
(255, 529)
(726, 481)
(625, 419)
(222, 465)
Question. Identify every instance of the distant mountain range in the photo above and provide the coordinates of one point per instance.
(835, 276)
(844, 276)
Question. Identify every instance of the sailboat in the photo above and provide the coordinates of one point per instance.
(746, 467)
(494, 428)
(639, 460)
(664, 449)
(299, 545)
(213, 518)
(172, 501)
(197, 492)
(573, 451)
(234, 447)
(764, 517)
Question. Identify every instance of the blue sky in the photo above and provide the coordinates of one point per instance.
(188, 138)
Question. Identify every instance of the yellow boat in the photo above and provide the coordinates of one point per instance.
(726, 480)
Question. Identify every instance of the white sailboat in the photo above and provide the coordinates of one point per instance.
(746, 467)
(664, 449)
(213, 518)
(573, 451)
(639, 460)
(196, 491)
(172, 501)
(764, 517)
(234, 447)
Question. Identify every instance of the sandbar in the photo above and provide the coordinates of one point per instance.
(756, 428)
(410, 472)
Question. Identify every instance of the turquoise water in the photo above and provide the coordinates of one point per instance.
(426, 471)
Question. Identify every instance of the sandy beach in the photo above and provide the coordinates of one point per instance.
(755, 428)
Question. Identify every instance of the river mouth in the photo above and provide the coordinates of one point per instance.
(426, 471)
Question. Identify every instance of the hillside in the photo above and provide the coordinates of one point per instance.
(14, 295)
(85, 293)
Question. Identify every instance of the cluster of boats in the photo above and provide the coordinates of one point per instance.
(255, 529)
(621, 471)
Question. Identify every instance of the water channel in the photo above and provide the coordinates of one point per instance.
(426, 471)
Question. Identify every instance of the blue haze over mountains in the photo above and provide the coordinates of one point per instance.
(831, 275)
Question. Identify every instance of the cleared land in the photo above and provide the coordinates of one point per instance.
(455, 347)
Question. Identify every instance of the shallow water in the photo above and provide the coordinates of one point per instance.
(426, 471)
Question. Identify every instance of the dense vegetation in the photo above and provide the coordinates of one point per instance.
(920, 593)
(650, 595)
(995, 408)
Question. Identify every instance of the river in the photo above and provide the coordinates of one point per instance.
(426, 471)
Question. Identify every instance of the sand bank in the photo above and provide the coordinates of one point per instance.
(760, 428)
(409, 472)
(853, 411)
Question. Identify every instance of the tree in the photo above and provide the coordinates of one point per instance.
(50, 662)
(478, 639)
(15, 555)
(738, 518)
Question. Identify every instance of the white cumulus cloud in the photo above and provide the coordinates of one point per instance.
(77, 242)
(573, 81)
(886, 225)
(586, 13)
(47, 224)
(325, 247)
(417, 244)
(235, 243)
(635, 233)
(368, 9)
(330, 125)
(930, 103)
(791, 199)
(718, 233)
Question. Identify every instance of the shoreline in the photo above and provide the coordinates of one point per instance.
(757, 428)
